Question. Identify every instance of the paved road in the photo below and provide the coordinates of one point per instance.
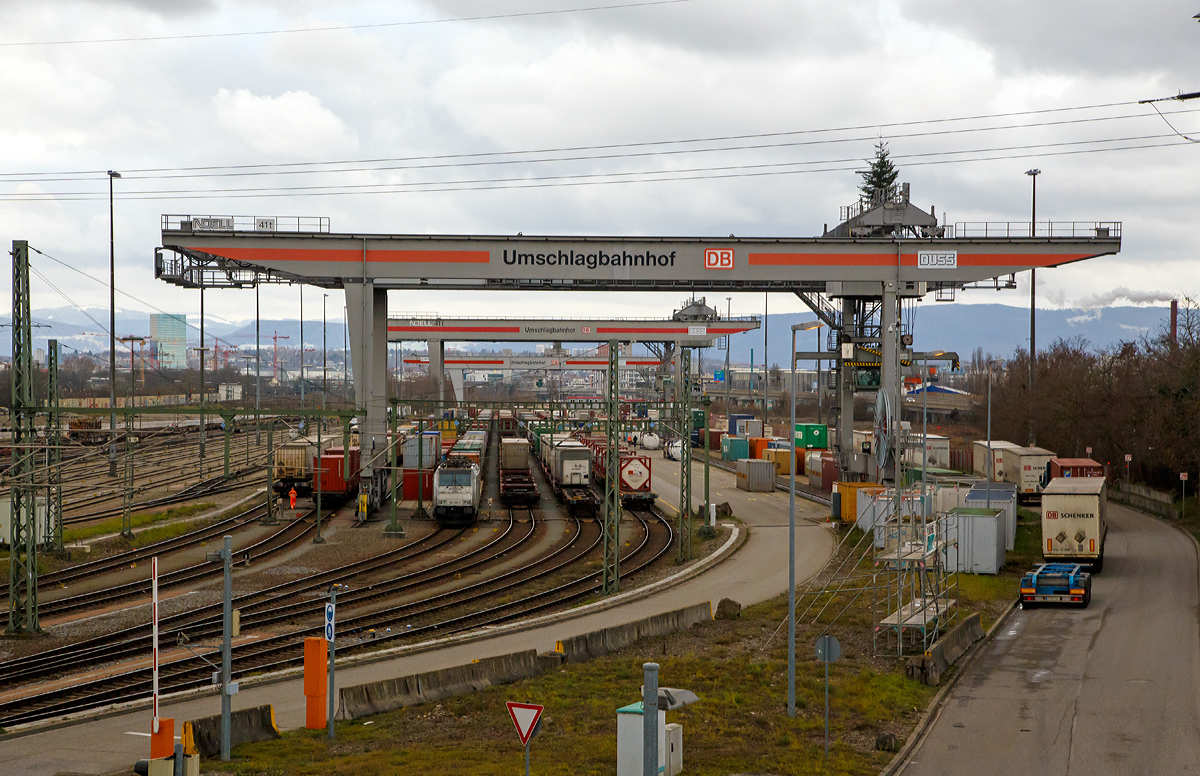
(1112, 689)
(759, 571)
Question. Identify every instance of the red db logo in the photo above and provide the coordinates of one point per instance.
(1051, 514)
(718, 258)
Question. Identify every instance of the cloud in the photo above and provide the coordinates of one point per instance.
(294, 124)
(1085, 318)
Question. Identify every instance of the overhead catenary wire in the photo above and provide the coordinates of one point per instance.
(588, 179)
(346, 27)
(443, 160)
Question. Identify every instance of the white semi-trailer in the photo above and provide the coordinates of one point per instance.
(1074, 523)
(1024, 467)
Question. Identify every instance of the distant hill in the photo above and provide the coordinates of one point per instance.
(998, 329)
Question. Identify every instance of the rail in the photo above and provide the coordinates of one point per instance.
(211, 223)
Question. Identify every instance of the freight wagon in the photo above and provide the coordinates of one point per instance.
(633, 471)
(294, 464)
(86, 430)
(566, 463)
(1074, 521)
(516, 478)
(330, 472)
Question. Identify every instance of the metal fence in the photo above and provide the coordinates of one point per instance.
(1074, 229)
(211, 223)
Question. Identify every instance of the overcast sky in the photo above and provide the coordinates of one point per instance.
(380, 87)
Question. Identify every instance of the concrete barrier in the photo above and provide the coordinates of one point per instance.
(391, 694)
(203, 736)
(928, 668)
(587, 646)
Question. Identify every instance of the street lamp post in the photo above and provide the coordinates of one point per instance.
(728, 346)
(1032, 311)
(324, 366)
(112, 333)
(792, 529)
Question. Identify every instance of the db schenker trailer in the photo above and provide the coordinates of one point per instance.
(1058, 583)
(1074, 521)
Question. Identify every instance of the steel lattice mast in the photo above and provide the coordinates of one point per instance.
(54, 524)
(22, 564)
(611, 508)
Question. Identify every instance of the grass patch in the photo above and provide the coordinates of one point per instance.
(740, 724)
(113, 525)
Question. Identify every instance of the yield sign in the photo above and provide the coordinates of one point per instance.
(525, 717)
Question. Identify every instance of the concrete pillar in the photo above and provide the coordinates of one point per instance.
(366, 307)
(457, 381)
(889, 322)
(437, 368)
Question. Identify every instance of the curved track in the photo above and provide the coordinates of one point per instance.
(445, 613)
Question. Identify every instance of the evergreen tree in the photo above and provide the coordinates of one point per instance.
(879, 180)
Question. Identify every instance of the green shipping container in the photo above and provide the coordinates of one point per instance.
(813, 436)
(735, 448)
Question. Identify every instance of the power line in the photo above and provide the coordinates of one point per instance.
(346, 27)
(601, 147)
(434, 163)
(584, 179)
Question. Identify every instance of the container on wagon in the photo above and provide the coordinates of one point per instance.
(514, 453)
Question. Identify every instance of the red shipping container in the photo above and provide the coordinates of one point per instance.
(1075, 467)
(829, 472)
(714, 439)
(410, 484)
(329, 470)
(355, 459)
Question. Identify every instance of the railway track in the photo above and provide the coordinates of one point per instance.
(288, 535)
(442, 613)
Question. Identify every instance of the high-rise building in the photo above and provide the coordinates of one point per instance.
(169, 332)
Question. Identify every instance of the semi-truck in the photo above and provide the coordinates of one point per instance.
(1074, 521)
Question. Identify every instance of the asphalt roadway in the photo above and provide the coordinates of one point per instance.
(755, 573)
(1108, 690)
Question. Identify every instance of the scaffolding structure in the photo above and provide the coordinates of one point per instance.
(898, 561)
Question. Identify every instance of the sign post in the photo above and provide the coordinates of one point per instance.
(1128, 458)
(525, 717)
(828, 650)
(330, 619)
(1183, 508)
(154, 648)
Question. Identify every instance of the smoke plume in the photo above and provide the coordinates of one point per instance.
(1106, 298)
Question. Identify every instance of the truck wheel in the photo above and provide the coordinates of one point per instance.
(1087, 599)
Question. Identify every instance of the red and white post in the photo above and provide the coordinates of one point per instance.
(154, 628)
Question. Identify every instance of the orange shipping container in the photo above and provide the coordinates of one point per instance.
(757, 446)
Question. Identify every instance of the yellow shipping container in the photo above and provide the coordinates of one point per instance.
(781, 457)
(849, 493)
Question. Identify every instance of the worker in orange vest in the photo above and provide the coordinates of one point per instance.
(292, 496)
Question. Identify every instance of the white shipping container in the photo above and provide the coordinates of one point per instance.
(749, 427)
(425, 457)
(293, 459)
(979, 454)
(1024, 467)
(975, 541)
(571, 462)
(514, 454)
(755, 475)
(936, 453)
(1000, 496)
(1074, 520)
(41, 530)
